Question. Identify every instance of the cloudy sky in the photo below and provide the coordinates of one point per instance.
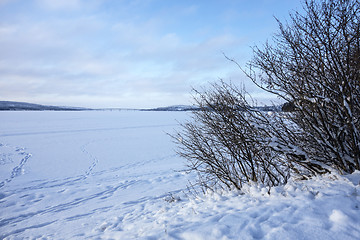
(128, 53)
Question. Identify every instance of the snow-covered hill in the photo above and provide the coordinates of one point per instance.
(23, 106)
(114, 175)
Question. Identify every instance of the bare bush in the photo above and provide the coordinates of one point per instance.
(314, 63)
(228, 143)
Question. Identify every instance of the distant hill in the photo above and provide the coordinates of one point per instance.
(196, 108)
(23, 106)
(268, 108)
(175, 108)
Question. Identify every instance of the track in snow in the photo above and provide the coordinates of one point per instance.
(9, 155)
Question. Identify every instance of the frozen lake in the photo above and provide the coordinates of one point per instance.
(115, 175)
(59, 168)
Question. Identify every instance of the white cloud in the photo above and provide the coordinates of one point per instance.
(138, 63)
(59, 4)
(3, 2)
(96, 59)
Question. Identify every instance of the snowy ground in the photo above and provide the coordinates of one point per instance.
(114, 175)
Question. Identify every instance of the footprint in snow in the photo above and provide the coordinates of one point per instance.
(11, 155)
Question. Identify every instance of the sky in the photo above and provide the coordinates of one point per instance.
(129, 53)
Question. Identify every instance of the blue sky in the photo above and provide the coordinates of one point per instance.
(122, 53)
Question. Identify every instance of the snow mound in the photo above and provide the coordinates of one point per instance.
(325, 207)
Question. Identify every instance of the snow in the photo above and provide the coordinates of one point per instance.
(114, 175)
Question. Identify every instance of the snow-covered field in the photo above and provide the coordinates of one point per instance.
(114, 175)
